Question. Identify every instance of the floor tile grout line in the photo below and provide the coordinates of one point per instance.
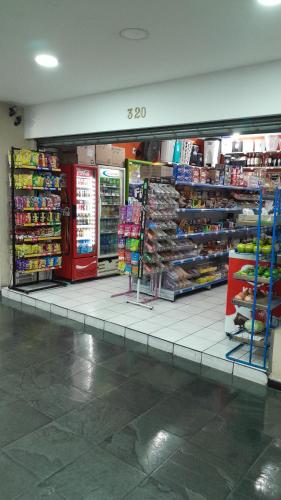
(151, 334)
(244, 476)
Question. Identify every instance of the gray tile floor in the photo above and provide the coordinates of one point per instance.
(82, 418)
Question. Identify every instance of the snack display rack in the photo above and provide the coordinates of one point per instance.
(35, 219)
(188, 236)
(259, 302)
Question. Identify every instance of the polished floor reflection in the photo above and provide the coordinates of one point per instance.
(84, 417)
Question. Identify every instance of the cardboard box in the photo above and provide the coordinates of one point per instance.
(86, 155)
(104, 154)
(148, 171)
(118, 156)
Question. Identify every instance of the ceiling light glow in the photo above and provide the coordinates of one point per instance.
(134, 33)
(269, 3)
(46, 60)
(235, 136)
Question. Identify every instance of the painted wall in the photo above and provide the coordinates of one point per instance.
(9, 136)
(243, 92)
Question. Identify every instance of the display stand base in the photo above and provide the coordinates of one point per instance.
(37, 286)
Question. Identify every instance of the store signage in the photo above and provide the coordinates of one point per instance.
(136, 113)
(109, 172)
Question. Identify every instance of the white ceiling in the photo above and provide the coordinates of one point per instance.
(187, 37)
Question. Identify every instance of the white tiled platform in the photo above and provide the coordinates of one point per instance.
(192, 327)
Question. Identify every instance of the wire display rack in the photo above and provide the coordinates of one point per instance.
(257, 353)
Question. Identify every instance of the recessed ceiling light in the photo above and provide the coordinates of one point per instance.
(134, 33)
(46, 60)
(270, 3)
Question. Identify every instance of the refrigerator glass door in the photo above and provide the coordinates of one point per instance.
(85, 211)
(111, 191)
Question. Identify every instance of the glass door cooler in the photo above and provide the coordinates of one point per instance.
(111, 196)
(79, 222)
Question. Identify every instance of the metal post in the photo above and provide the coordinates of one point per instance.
(256, 277)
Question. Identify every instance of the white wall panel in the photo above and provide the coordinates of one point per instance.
(244, 92)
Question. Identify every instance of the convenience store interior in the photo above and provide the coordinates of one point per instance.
(140, 250)
(181, 322)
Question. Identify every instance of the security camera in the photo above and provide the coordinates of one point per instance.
(18, 120)
(12, 110)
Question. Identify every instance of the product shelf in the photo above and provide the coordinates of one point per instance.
(44, 177)
(36, 240)
(110, 217)
(262, 303)
(261, 280)
(199, 258)
(197, 287)
(108, 255)
(32, 256)
(216, 186)
(208, 210)
(36, 188)
(37, 169)
(221, 232)
(39, 225)
(244, 337)
(45, 269)
(37, 209)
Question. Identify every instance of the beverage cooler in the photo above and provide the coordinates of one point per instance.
(79, 222)
(111, 196)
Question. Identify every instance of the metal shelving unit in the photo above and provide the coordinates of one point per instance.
(17, 240)
(216, 186)
(268, 303)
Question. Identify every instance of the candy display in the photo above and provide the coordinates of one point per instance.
(38, 233)
(205, 198)
(35, 265)
(39, 249)
(129, 238)
(51, 202)
(40, 219)
(38, 160)
(37, 181)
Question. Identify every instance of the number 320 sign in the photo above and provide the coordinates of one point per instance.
(136, 113)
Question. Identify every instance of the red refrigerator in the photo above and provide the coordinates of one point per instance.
(79, 222)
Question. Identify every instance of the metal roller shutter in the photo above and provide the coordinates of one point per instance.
(253, 125)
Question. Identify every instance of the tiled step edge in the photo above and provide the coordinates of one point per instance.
(129, 334)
